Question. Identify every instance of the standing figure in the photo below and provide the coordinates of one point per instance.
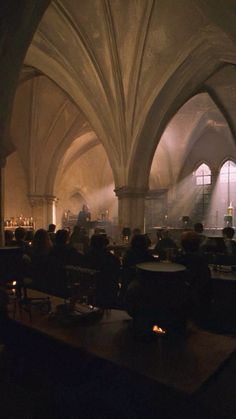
(84, 217)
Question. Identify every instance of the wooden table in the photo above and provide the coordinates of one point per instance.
(223, 275)
(161, 267)
(182, 364)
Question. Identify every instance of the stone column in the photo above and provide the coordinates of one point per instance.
(39, 211)
(51, 202)
(43, 210)
(131, 206)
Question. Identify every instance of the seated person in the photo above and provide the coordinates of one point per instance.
(198, 228)
(135, 232)
(230, 244)
(51, 232)
(20, 234)
(79, 239)
(101, 259)
(75, 237)
(221, 250)
(39, 256)
(198, 275)
(212, 248)
(61, 255)
(164, 244)
(137, 253)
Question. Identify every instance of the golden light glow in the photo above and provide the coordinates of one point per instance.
(158, 330)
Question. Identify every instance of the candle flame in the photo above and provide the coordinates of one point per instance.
(158, 330)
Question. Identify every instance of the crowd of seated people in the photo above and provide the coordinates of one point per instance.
(220, 250)
(47, 261)
(198, 277)
(48, 255)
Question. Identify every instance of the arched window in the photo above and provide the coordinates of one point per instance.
(203, 175)
(228, 180)
(203, 192)
(228, 172)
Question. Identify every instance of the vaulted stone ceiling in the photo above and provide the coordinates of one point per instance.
(45, 124)
(127, 67)
(173, 159)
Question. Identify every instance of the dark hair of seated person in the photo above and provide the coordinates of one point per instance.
(20, 241)
(190, 241)
(41, 243)
(228, 232)
(198, 227)
(62, 237)
(51, 228)
(62, 253)
(99, 241)
(139, 242)
(137, 252)
(20, 233)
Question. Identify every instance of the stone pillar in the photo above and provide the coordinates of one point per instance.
(43, 210)
(51, 202)
(2, 200)
(131, 206)
(39, 211)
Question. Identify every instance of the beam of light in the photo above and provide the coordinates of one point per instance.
(220, 199)
(184, 198)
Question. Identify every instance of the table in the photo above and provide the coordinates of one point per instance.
(162, 267)
(183, 364)
(222, 275)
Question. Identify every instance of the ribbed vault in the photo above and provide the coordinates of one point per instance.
(129, 68)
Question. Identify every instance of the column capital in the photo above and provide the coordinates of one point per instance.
(51, 199)
(37, 200)
(131, 192)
